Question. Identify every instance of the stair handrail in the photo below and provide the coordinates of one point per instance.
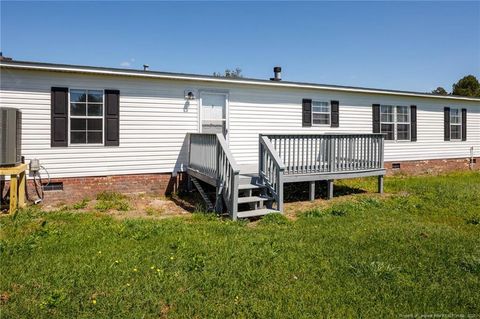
(228, 176)
(271, 169)
(209, 155)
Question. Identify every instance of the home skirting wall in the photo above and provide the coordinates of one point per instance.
(78, 188)
(434, 166)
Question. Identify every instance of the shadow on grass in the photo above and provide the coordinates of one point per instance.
(192, 201)
(294, 192)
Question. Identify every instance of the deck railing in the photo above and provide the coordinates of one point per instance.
(271, 170)
(210, 156)
(328, 153)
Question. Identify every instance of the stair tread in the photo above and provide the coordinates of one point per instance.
(256, 212)
(251, 199)
(250, 186)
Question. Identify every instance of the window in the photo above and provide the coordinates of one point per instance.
(403, 123)
(320, 113)
(86, 116)
(387, 121)
(395, 122)
(455, 124)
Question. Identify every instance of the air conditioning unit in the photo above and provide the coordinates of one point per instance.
(10, 136)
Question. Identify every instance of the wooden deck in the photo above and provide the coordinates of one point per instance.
(257, 189)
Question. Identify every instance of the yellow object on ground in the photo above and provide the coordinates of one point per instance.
(17, 185)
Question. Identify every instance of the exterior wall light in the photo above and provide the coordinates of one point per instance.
(189, 95)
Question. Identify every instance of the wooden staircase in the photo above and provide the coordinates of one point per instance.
(241, 193)
(253, 199)
(245, 192)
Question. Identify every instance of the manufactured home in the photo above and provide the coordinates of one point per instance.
(128, 130)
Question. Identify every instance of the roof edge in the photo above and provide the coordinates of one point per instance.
(206, 78)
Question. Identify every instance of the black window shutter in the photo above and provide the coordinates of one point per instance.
(112, 118)
(306, 112)
(446, 124)
(464, 124)
(59, 117)
(413, 123)
(335, 116)
(376, 118)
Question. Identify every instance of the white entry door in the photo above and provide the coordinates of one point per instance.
(213, 118)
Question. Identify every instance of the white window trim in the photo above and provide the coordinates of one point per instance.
(460, 124)
(329, 114)
(395, 123)
(86, 117)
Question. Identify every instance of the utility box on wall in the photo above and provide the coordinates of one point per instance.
(10, 136)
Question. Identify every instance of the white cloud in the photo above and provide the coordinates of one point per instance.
(127, 63)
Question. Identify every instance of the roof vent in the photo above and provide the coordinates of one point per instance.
(278, 74)
(145, 67)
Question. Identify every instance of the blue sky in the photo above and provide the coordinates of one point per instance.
(395, 45)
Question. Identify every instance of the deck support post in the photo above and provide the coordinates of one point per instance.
(189, 184)
(218, 198)
(312, 191)
(380, 184)
(330, 188)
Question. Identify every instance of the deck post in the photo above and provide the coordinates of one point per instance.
(13, 193)
(234, 198)
(380, 184)
(189, 184)
(312, 191)
(218, 198)
(22, 179)
(330, 188)
(280, 192)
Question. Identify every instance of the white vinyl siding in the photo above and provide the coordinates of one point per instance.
(155, 118)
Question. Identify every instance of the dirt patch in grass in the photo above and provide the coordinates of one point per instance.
(4, 297)
(129, 206)
(151, 207)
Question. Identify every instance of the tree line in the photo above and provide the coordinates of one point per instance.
(466, 86)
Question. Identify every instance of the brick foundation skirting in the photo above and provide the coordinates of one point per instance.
(78, 188)
(434, 166)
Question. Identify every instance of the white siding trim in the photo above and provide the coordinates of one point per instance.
(148, 74)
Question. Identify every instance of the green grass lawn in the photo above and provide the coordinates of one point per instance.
(413, 251)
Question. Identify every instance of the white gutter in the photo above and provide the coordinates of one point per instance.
(146, 74)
